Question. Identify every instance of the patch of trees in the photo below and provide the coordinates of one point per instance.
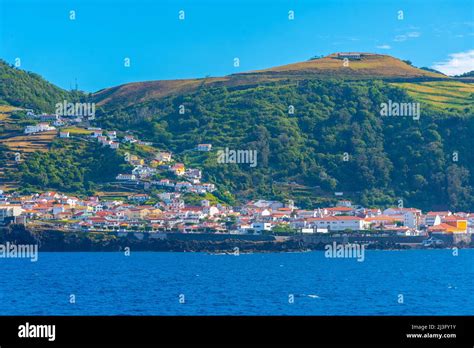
(76, 168)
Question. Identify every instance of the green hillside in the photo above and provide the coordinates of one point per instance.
(29, 90)
(302, 154)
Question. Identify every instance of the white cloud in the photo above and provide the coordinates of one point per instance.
(414, 34)
(384, 47)
(457, 63)
(409, 35)
(400, 38)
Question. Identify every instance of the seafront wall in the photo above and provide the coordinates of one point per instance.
(455, 238)
(325, 239)
(213, 237)
(448, 239)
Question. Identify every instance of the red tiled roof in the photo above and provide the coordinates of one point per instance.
(192, 209)
(453, 218)
(440, 227)
(335, 218)
(384, 217)
(340, 209)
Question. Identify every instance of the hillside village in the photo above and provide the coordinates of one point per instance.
(168, 212)
(143, 170)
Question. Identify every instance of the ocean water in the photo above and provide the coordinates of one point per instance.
(428, 282)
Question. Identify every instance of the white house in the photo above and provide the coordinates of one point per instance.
(139, 197)
(337, 223)
(163, 156)
(259, 227)
(114, 145)
(211, 211)
(314, 230)
(306, 213)
(59, 208)
(432, 219)
(183, 186)
(40, 127)
(164, 182)
(97, 133)
(126, 177)
(204, 147)
(143, 171)
(350, 55)
(244, 228)
(129, 139)
(9, 210)
(102, 139)
(261, 203)
(193, 173)
(411, 216)
(206, 187)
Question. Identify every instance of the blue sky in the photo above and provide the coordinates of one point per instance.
(92, 48)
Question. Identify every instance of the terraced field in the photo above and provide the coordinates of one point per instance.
(27, 143)
(76, 131)
(5, 111)
(14, 139)
(442, 94)
(15, 142)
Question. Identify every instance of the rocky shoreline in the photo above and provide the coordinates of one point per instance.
(59, 241)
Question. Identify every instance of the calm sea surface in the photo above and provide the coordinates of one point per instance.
(429, 282)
